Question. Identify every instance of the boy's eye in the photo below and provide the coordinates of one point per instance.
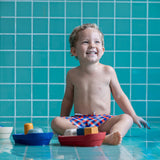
(85, 42)
(97, 42)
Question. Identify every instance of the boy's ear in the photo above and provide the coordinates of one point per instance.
(73, 51)
(103, 50)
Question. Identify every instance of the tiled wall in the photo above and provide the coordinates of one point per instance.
(35, 56)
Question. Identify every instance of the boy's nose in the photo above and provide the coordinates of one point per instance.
(92, 44)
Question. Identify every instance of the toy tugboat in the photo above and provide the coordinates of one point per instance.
(32, 136)
(84, 137)
(34, 139)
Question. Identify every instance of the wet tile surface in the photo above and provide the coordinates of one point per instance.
(138, 144)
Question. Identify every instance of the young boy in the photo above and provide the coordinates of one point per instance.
(89, 87)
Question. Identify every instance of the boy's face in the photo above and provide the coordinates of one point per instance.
(88, 47)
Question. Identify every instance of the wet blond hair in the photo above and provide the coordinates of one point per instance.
(74, 35)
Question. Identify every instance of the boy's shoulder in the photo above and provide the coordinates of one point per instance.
(108, 69)
(73, 71)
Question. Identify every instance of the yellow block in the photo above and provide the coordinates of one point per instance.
(90, 130)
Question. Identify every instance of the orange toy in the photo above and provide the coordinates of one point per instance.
(27, 127)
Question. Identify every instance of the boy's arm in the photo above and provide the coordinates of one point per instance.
(68, 97)
(123, 101)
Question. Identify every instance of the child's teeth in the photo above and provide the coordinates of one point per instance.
(91, 52)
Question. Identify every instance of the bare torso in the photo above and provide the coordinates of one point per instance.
(91, 91)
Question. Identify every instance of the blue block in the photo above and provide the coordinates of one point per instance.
(80, 131)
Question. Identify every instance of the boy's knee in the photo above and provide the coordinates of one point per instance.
(55, 122)
(127, 117)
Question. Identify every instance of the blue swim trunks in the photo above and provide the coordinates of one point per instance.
(82, 121)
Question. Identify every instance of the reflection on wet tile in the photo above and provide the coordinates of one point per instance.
(138, 144)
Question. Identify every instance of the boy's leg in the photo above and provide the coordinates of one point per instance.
(60, 124)
(116, 127)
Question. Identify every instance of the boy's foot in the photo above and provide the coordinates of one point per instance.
(113, 138)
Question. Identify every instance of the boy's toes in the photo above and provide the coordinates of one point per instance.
(113, 139)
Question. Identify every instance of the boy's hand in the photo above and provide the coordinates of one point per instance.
(140, 121)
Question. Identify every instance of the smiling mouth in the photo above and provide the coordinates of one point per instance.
(92, 52)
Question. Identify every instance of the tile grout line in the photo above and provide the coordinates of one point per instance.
(98, 13)
(71, 67)
(130, 51)
(147, 70)
(130, 86)
(128, 153)
(54, 116)
(42, 100)
(48, 105)
(86, 1)
(81, 12)
(103, 154)
(25, 152)
(114, 64)
(32, 61)
(65, 45)
(147, 61)
(75, 148)
(15, 55)
(59, 34)
(136, 51)
(135, 18)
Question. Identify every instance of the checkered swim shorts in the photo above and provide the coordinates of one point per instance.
(82, 121)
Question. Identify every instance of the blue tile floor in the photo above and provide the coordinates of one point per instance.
(138, 144)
